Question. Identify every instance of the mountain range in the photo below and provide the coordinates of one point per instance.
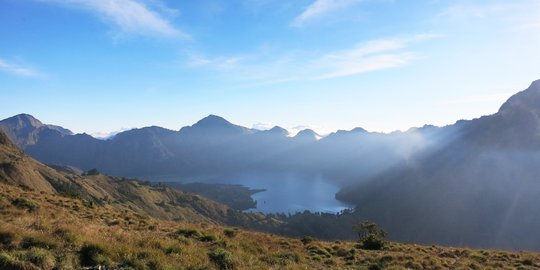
(213, 146)
(473, 183)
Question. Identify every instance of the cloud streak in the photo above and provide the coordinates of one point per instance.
(320, 8)
(129, 16)
(274, 68)
(19, 70)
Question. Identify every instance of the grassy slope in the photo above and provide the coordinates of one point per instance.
(127, 194)
(55, 234)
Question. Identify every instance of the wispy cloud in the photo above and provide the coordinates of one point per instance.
(107, 134)
(275, 67)
(129, 16)
(19, 69)
(320, 8)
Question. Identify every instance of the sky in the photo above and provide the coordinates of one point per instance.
(100, 66)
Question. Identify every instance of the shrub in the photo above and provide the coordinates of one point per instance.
(92, 172)
(229, 233)
(315, 250)
(155, 265)
(189, 233)
(283, 258)
(372, 242)
(196, 234)
(222, 258)
(341, 252)
(371, 235)
(7, 262)
(38, 241)
(207, 238)
(67, 235)
(174, 249)
(7, 239)
(41, 258)
(93, 255)
(25, 204)
(307, 239)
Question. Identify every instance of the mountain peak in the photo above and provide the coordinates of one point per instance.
(359, 130)
(307, 134)
(278, 130)
(23, 120)
(526, 100)
(212, 120)
(24, 129)
(214, 125)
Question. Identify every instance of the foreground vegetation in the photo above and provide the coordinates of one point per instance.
(50, 231)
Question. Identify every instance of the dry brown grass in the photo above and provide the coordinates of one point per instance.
(63, 233)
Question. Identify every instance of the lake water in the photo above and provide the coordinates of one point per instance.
(286, 192)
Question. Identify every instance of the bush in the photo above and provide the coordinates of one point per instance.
(39, 242)
(222, 258)
(283, 258)
(92, 172)
(7, 262)
(25, 204)
(207, 238)
(93, 255)
(307, 239)
(67, 235)
(527, 262)
(371, 235)
(41, 258)
(189, 233)
(7, 239)
(229, 233)
(174, 249)
(372, 242)
(195, 234)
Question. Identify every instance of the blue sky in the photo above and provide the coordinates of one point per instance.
(98, 66)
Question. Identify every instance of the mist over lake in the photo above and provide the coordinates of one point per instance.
(285, 192)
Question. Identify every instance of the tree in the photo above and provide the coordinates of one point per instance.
(92, 172)
(371, 235)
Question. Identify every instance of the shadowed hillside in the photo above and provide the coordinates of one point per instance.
(480, 190)
(162, 202)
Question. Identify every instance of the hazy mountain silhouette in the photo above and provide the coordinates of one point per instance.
(307, 135)
(481, 189)
(212, 146)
